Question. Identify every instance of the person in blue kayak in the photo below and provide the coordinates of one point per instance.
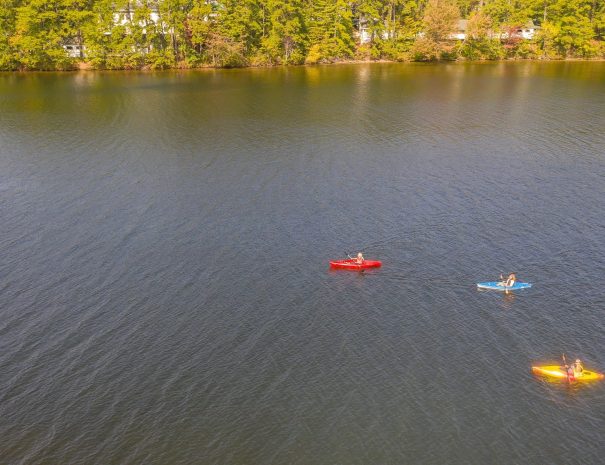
(509, 282)
(359, 260)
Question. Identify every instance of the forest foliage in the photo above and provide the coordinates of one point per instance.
(125, 34)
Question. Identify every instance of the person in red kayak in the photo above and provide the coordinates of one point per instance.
(359, 260)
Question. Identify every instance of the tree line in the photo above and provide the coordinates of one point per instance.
(135, 34)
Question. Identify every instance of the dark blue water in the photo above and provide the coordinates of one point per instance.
(165, 294)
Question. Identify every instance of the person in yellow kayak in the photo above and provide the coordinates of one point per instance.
(359, 260)
(509, 282)
(578, 368)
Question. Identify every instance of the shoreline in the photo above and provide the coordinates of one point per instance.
(85, 67)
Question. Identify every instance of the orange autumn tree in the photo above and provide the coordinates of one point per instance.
(438, 24)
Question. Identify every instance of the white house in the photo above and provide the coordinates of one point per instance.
(460, 32)
(125, 16)
(363, 33)
(121, 17)
(74, 50)
(527, 32)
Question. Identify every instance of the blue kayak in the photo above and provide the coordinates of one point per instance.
(498, 287)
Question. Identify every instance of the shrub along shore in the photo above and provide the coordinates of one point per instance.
(161, 34)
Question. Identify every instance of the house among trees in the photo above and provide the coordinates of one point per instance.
(127, 19)
(364, 33)
(126, 16)
(527, 32)
(74, 50)
(460, 32)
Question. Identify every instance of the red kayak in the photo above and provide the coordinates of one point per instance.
(351, 264)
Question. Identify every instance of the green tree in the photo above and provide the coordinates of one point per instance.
(568, 30)
(331, 30)
(43, 27)
(173, 14)
(7, 30)
(239, 23)
(150, 35)
(479, 43)
(284, 38)
(402, 18)
(114, 41)
(371, 16)
(467, 7)
(199, 25)
(597, 18)
(504, 12)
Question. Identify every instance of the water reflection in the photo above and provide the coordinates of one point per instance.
(508, 298)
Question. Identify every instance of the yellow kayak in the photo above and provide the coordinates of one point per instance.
(554, 371)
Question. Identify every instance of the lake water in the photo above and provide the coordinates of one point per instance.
(165, 296)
